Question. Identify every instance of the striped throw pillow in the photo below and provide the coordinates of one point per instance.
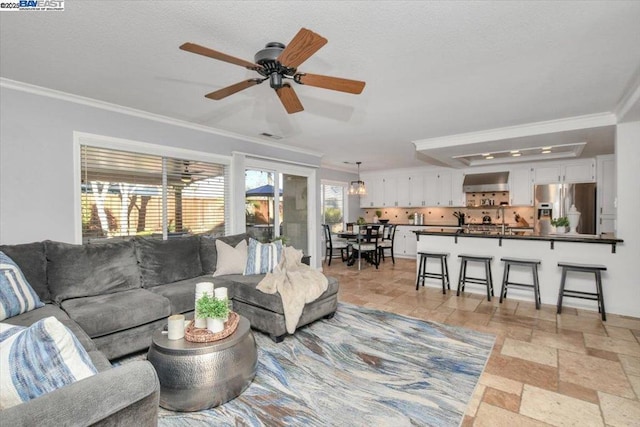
(262, 257)
(16, 294)
(39, 359)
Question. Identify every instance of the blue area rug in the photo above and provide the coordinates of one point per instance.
(364, 367)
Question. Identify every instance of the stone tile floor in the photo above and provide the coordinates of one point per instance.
(545, 369)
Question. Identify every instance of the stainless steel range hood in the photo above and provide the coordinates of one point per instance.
(484, 182)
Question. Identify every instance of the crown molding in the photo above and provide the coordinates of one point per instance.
(77, 99)
(630, 99)
(530, 129)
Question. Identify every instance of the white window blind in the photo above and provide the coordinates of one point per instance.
(127, 194)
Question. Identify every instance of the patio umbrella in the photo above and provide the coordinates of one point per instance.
(262, 191)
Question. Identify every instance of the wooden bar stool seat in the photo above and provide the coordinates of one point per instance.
(463, 279)
(443, 275)
(596, 269)
(530, 263)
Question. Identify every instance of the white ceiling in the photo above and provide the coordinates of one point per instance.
(433, 69)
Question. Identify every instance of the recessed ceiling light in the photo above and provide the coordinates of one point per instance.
(546, 151)
(546, 148)
(514, 151)
(516, 155)
(489, 157)
(486, 154)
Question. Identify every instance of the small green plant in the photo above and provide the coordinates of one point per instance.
(211, 307)
(411, 216)
(361, 221)
(379, 214)
(563, 221)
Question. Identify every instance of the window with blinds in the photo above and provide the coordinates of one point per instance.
(333, 205)
(129, 194)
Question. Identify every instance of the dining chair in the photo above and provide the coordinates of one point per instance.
(367, 245)
(386, 244)
(332, 245)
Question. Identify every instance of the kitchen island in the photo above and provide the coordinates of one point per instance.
(550, 249)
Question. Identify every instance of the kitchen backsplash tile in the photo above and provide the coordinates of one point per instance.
(444, 216)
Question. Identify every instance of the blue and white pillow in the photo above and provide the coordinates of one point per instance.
(16, 294)
(39, 359)
(262, 257)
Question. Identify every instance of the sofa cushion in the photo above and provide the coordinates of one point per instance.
(167, 261)
(33, 263)
(85, 270)
(262, 257)
(181, 294)
(243, 288)
(39, 359)
(16, 294)
(231, 260)
(208, 252)
(105, 314)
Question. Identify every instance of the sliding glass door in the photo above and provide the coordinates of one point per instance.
(277, 203)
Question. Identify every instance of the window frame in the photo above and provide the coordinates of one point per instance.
(107, 142)
(345, 198)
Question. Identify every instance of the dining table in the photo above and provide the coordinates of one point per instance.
(352, 237)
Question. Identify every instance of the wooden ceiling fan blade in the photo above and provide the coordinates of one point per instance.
(333, 83)
(302, 46)
(205, 51)
(230, 90)
(289, 99)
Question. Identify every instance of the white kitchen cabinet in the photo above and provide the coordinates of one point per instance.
(406, 242)
(572, 172)
(521, 186)
(458, 197)
(373, 198)
(416, 191)
(444, 189)
(389, 192)
(606, 194)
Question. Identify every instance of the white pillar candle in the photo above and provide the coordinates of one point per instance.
(201, 289)
(220, 293)
(176, 327)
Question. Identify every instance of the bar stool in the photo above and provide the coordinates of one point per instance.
(533, 264)
(444, 269)
(583, 268)
(463, 279)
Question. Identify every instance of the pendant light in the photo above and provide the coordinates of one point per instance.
(357, 187)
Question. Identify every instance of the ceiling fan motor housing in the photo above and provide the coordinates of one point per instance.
(268, 59)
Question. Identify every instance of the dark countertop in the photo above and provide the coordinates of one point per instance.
(581, 238)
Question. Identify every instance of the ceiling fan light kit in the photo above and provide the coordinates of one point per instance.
(277, 63)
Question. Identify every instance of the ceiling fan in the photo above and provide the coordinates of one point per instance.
(277, 63)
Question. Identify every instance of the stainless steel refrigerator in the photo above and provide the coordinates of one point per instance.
(554, 201)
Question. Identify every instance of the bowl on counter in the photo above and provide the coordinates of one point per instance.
(383, 221)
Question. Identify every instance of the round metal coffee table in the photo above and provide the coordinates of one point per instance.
(195, 376)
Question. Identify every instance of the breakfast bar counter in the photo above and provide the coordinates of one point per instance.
(549, 249)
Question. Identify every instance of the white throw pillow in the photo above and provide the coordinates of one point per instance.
(262, 257)
(230, 260)
(39, 359)
(16, 294)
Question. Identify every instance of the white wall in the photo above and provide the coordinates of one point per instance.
(622, 283)
(36, 158)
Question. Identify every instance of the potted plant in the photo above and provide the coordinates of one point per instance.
(377, 216)
(361, 221)
(560, 224)
(214, 310)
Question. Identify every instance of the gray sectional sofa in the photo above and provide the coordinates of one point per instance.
(113, 295)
